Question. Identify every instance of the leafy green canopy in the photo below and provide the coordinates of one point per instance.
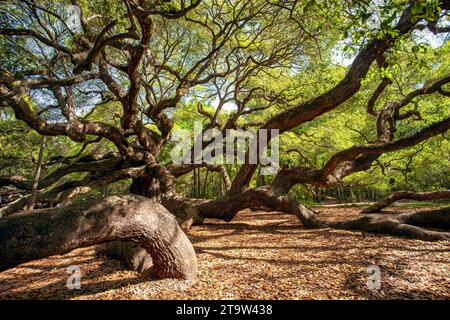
(283, 54)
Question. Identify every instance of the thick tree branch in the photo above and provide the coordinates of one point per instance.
(127, 218)
(403, 195)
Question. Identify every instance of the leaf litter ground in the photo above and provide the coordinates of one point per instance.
(259, 255)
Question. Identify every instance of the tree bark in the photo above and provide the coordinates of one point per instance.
(37, 234)
(412, 225)
(400, 195)
(131, 254)
(146, 186)
(134, 256)
(37, 175)
(184, 212)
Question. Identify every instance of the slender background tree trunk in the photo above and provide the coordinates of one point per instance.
(37, 174)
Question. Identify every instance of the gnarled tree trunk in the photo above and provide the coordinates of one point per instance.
(133, 255)
(37, 234)
(181, 207)
(400, 195)
(146, 186)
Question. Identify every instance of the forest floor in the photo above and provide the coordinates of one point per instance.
(259, 255)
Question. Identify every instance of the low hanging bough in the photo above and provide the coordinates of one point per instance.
(32, 235)
(412, 225)
(407, 195)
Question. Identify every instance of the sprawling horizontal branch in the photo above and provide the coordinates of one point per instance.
(432, 88)
(174, 13)
(353, 159)
(407, 195)
(34, 34)
(68, 190)
(56, 175)
(311, 109)
(76, 130)
(412, 225)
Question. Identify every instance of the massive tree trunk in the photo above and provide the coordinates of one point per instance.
(133, 255)
(146, 186)
(179, 206)
(37, 234)
(400, 195)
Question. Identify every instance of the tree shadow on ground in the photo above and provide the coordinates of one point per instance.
(389, 290)
(56, 286)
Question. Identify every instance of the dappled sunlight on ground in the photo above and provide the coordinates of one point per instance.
(259, 255)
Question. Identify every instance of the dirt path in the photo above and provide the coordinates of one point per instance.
(257, 256)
